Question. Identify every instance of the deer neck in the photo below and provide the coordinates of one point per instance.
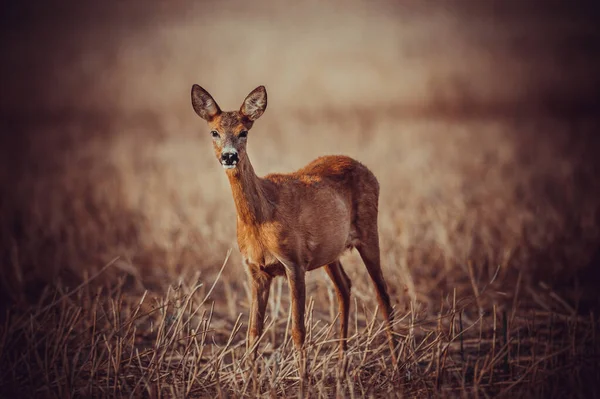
(248, 194)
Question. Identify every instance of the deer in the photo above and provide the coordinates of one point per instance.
(289, 224)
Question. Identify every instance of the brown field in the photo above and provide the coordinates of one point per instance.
(120, 275)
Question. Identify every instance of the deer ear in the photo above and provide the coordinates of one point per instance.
(255, 104)
(204, 105)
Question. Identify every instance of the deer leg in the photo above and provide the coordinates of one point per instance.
(342, 286)
(297, 286)
(261, 284)
(369, 252)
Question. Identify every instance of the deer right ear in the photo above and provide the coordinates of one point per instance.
(255, 104)
(204, 105)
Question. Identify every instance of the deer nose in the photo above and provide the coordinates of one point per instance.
(229, 158)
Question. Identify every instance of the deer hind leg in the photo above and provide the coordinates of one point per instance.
(342, 285)
(369, 252)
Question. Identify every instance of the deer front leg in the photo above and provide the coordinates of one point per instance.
(295, 276)
(260, 285)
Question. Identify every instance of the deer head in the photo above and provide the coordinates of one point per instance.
(229, 130)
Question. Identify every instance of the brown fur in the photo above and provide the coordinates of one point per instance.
(289, 224)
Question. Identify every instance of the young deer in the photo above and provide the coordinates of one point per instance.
(288, 224)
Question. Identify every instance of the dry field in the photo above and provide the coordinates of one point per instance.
(120, 275)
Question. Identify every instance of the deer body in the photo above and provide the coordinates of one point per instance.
(288, 224)
(306, 217)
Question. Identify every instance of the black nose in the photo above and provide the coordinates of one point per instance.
(229, 158)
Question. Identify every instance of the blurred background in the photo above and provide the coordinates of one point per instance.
(413, 56)
(478, 117)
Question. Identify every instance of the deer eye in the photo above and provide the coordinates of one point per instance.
(215, 134)
(243, 134)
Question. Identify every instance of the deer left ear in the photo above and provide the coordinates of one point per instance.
(205, 106)
(255, 104)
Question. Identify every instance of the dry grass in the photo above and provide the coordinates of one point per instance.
(112, 343)
(142, 306)
(120, 274)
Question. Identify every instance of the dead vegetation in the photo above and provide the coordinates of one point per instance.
(147, 301)
(109, 341)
